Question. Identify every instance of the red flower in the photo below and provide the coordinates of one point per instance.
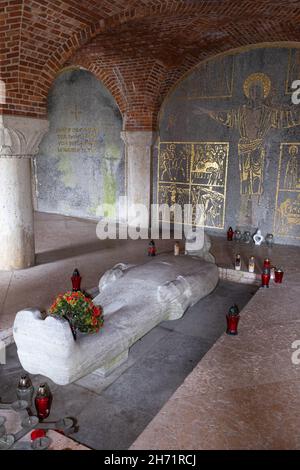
(96, 312)
(86, 315)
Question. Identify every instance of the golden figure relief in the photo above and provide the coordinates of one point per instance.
(213, 203)
(291, 178)
(254, 78)
(253, 122)
(174, 162)
(209, 164)
(287, 213)
(288, 216)
(199, 177)
(173, 194)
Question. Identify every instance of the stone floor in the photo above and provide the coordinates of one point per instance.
(245, 393)
(112, 412)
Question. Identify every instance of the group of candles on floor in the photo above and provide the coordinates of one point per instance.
(43, 398)
(42, 401)
(269, 272)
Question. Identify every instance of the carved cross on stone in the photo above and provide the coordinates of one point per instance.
(76, 113)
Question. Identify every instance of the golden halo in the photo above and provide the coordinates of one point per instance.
(293, 148)
(257, 77)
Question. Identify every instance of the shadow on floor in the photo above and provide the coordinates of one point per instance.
(77, 250)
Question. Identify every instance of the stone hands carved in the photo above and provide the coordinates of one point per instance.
(113, 274)
(134, 299)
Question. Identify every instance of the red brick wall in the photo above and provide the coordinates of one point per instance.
(138, 48)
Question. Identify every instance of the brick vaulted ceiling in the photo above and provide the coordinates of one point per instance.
(138, 48)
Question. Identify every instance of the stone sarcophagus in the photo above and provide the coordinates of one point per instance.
(134, 299)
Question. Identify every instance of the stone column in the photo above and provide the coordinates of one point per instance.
(19, 141)
(138, 148)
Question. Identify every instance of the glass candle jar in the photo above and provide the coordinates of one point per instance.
(265, 277)
(232, 319)
(251, 265)
(25, 389)
(237, 235)
(176, 249)
(43, 401)
(151, 248)
(76, 281)
(232, 324)
(230, 233)
(267, 263)
(238, 263)
(278, 276)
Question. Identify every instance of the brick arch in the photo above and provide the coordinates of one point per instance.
(134, 93)
(77, 40)
(163, 39)
(101, 75)
(38, 37)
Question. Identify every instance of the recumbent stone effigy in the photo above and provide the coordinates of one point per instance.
(134, 300)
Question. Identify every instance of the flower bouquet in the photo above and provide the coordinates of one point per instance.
(79, 311)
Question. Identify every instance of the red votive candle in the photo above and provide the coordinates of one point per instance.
(267, 263)
(265, 277)
(278, 276)
(232, 324)
(43, 401)
(76, 281)
(42, 407)
(230, 233)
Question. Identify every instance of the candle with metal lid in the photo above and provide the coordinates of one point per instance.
(43, 401)
(25, 389)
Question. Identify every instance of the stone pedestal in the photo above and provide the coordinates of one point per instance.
(138, 148)
(19, 140)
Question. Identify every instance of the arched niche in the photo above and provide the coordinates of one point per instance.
(81, 160)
